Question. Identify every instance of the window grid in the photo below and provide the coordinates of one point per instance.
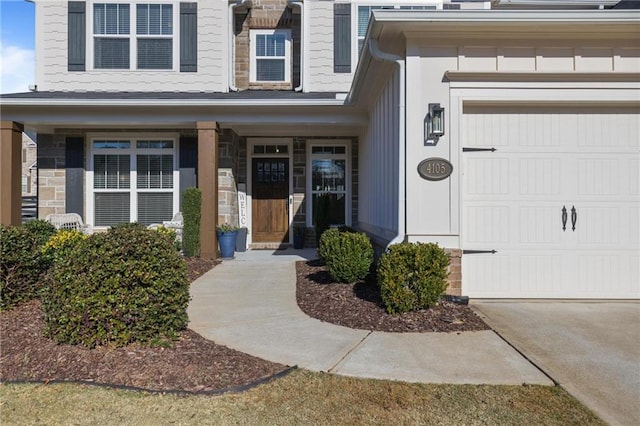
(270, 56)
(364, 13)
(133, 179)
(154, 29)
(328, 182)
(148, 46)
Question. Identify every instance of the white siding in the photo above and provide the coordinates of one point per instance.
(378, 165)
(51, 56)
(319, 56)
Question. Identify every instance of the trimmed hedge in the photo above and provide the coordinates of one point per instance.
(348, 254)
(191, 202)
(412, 276)
(128, 284)
(22, 264)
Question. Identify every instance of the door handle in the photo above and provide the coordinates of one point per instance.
(574, 218)
(564, 218)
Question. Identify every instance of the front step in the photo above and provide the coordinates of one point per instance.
(269, 246)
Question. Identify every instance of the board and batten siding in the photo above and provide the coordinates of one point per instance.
(52, 56)
(319, 55)
(378, 166)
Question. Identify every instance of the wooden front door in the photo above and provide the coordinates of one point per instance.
(270, 200)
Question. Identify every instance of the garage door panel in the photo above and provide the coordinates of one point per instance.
(488, 176)
(599, 176)
(540, 225)
(539, 176)
(604, 274)
(488, 225)
(488, 275)
(599, 226)
(634, 175)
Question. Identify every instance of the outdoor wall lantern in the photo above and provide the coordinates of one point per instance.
(434, 124)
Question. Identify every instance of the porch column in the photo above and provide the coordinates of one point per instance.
(208, 184)
(10, 171)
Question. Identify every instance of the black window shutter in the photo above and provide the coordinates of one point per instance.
(74, 172)
(76, 35)
(342, 37)
(188, 37)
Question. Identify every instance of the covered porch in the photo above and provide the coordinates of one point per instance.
(109, 157)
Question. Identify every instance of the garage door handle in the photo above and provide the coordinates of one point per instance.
(564, 218)
(574, 217)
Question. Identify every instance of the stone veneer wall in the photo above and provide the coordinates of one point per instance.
(51, 174)
(455, 272)
(265, 14)
(228, 167)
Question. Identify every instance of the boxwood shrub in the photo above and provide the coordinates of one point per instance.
(412, 276)
(348, 254)
(22, 264)
(125, 285)
(191, 203)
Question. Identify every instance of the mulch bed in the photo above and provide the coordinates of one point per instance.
(360, 306)
(194, 364)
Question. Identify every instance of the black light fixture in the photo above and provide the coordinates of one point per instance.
(434, 124)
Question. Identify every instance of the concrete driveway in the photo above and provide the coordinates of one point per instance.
(592, 349)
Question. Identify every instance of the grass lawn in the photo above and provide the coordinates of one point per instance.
(302, 397)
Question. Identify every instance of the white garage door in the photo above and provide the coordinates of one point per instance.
(558, 200)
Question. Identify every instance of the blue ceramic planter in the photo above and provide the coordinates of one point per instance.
(227, 242)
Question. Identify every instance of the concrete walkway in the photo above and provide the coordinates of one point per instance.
(249, 304)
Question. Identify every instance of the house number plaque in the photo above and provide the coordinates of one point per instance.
(435, 168)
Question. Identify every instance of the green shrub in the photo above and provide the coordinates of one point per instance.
(412, 276)
(41, 230)
(61, 243)
(327, 239)
(191, 202)
(21, 261)
(125, 285)
(348, 255)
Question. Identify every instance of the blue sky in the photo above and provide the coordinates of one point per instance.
(17, 33)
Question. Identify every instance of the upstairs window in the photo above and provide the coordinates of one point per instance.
(117, 46)
(271, 56)
(111, 36)
(364, 12)
(154, 27)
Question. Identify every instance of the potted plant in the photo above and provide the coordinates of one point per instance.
(227, 235)
(298, 237)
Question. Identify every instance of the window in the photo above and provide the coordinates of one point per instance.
(154, 27)
(271, 56)
(132, 181)
(111, 36)
(328, 183)
(116, 46)
(364, 12)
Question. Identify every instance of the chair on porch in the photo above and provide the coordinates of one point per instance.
(176, 223)
(68, 221)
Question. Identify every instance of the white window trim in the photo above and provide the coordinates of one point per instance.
(133, 37)
(309, 189)
(131, 151)
(355, 53)
(250, 156)
(287, 54)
